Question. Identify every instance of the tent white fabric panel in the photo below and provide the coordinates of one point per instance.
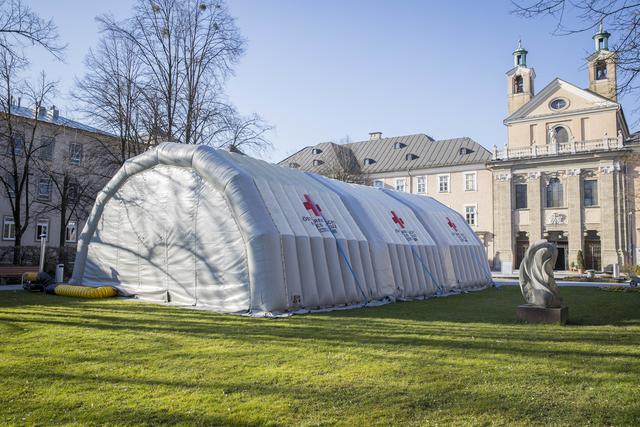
(200, 227)
(406, 257)
(464, 257)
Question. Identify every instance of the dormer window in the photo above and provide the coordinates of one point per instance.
(601, 70)
(317, 162)
(410, 156)
(294, 165)
(316, 151)
(464, 151)
(369, 161)
(398, 145)
(518, 84)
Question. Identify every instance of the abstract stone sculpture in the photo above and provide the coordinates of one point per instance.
(537, 283)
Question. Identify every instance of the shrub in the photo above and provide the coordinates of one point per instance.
(632, 269)
(580, 260)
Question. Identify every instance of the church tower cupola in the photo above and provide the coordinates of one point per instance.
(519, 80)
(601, 39)
(520, 56)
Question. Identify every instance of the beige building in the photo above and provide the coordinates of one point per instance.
(452, 171)
(568, 171)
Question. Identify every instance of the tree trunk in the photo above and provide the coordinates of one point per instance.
(16, 249)
(63, 220)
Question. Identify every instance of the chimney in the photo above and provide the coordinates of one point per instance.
(55, 112)
(374, 136)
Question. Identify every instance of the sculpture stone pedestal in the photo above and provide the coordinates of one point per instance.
(534, 314)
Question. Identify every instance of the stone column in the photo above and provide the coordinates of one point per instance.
(503, 217)
(575, 220)
(608, 211)
(535, 202)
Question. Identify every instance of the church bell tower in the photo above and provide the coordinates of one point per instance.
(602, 67)
(519, 80)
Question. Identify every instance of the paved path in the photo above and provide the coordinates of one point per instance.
(10, 287)
(511, 282)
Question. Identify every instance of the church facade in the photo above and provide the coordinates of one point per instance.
(568, 171)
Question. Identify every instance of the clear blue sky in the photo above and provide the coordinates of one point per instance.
(319, 71)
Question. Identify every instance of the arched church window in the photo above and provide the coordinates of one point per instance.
(518, 84)
(554, 193)
(561, 134)
(601, 70)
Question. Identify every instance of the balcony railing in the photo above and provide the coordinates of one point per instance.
(558, 148)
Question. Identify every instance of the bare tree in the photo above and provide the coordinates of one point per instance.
(111, 94)
(74, 177)
(236, 132)
(19, 130)
(621, 17)
(342, 164)
(187, 48)
(20, 26)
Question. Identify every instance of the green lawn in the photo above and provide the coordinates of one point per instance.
(456, 360)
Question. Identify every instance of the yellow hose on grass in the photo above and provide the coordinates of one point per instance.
(85, 291)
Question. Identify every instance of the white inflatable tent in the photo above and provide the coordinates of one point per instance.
(195, 226)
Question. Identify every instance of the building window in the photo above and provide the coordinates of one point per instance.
(18, 145)
(317, 162)
(316, 151)
(470, 181)
(8, 228)
(72, 192)
(518, 84)
(555, 198)
(44, 189)
(369, 161)
(378, 183)
(398, 145)
(558, 104)
(11, 188)
(71, 234)
(590, 191)
(75, 153)
(521, 196)
(561, 134)
(471, 214)
(42, 229)
(443, 183)
(422, 184)
(400, 184)
(294, 165)
(47, 144)
(601, 70)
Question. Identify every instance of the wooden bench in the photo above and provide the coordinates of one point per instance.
(15, 271)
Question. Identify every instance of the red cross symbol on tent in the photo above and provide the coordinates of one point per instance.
(452, 224)
(397, 219)
(311, 206)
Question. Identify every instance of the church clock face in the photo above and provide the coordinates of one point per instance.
(558, 104)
